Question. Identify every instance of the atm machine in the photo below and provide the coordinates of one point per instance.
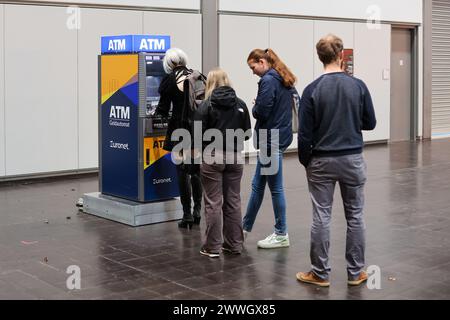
(137, 179)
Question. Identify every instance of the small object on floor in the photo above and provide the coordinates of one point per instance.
(392, 279)
(45, 259)
(73, 189)
(68, 218)
(46, 221)
(80, 203)
(29, 243)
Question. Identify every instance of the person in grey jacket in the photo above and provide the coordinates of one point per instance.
(333, 111)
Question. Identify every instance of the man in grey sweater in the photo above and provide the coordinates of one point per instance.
(333, 111)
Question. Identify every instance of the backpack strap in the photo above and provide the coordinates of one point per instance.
(180, 72)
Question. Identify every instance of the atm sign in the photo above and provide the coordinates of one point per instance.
(135, 44)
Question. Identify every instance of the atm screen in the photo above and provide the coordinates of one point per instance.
(153, 83)
(155, 74)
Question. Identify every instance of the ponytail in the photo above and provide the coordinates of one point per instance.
(275, 62)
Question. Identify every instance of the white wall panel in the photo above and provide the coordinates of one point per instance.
(398, 10)
(372, 56)
(96, 23)
(173, 4)
(184, 29)
(2, 95)
(238, 37)
(344, 30)
(41, 83)
(297, 51)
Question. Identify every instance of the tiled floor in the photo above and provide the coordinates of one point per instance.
(408, 237)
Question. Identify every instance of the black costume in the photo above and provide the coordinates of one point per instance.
(188, 174)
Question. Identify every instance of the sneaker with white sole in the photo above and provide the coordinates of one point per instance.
(274, 241)
(208, 253)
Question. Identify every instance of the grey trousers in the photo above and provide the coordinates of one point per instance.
(323, 173)
(222, 197)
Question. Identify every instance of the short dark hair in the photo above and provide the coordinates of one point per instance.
(329, 48)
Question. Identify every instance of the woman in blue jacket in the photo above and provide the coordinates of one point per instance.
(273, 135)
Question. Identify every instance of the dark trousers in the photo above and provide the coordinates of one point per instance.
(190, 186)
(222, 196)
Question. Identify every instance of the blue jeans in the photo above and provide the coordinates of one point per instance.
(275, 183)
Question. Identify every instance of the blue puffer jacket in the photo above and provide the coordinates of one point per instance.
(273, 109)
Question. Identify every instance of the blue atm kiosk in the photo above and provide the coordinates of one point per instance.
(137, 177)
(133, 163)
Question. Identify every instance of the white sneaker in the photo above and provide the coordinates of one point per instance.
(274, 241)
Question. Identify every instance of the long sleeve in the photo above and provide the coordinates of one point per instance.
(202, 114)
(306, 126)
(165, 100)
(246, 123)
(265, 100)
(369, 120)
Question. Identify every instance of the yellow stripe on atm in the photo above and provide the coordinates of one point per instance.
(153, 150)
(116, 72)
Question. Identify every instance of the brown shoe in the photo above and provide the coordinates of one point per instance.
(362, 278)
(310, 277)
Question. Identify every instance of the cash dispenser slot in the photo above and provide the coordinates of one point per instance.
(147, 157)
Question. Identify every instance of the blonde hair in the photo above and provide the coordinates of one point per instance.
(216, 78)
(289, 79)
(173, 58)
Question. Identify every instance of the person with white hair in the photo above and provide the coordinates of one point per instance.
(173, 92)
(174, 58)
